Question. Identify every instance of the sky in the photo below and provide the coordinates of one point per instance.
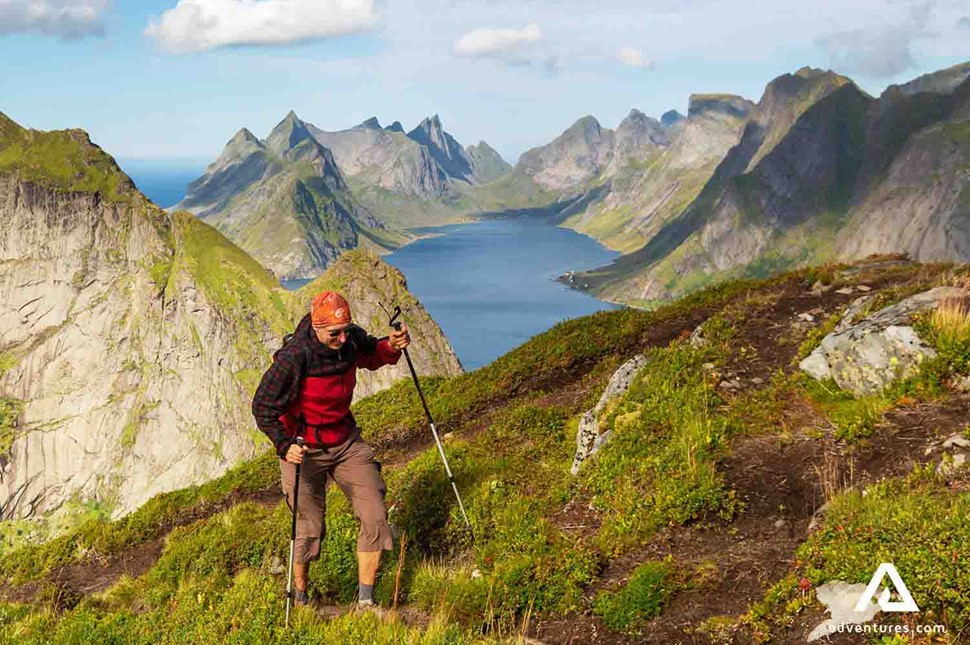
(176, 79)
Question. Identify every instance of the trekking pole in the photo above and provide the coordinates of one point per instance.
(434, 431)
(289, 577)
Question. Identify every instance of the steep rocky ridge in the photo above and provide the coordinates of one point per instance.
(284, 200)
(132, 339)
(822, 170)
(654, 176)
(419, 178)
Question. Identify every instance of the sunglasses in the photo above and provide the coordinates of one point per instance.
(336, 333)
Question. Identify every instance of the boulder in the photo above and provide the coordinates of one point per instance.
(866, 356)
(588, 438)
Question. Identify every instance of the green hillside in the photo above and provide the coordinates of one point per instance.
(689, 526)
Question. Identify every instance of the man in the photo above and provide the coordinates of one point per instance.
(307, 391)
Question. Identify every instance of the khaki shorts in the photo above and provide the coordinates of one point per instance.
(358, 474)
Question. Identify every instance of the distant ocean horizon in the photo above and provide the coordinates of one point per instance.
(164, 181)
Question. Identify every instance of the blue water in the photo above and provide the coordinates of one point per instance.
(491, 285)
(161, 180)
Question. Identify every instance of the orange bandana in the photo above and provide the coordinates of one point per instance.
(329, 308)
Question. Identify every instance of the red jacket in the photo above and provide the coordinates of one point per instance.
(309, 387)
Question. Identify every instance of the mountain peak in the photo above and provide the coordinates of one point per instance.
(287, 134)
(244, 136)
(395, 127)
(487, 164)
(371, 124)
(637, 132)
(585, 126)
(430, 126)
(442, 146)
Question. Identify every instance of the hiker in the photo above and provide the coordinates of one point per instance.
(307, 391)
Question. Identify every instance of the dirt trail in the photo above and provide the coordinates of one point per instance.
(776, 476)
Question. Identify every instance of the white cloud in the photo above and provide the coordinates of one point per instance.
(633, 57)
(196, 25)
(65, 18)
(879, 50)
(497, 43)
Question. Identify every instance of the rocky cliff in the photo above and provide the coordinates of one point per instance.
(131, 339)
(822, 171)
(656, 170)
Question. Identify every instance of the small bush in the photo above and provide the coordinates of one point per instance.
(642, 599)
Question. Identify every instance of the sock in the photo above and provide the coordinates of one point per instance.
(365, 593)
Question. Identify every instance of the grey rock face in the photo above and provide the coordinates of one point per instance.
(575, 156)
(128, 389)
(443, 147)
(869, 355)
(487, 164)
(588, 439)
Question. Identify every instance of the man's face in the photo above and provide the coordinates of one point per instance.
(333, 336)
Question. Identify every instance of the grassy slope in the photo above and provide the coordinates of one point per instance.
(514, 426)
(62, 159)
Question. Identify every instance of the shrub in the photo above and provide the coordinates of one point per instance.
(642, 599)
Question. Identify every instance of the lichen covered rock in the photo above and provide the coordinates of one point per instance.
(588, 438)
(866, 356)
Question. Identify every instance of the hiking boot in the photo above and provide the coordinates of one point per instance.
(368, 606)
(301, 598)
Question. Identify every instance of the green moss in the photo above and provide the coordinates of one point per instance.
(160, 272)
(7, 362)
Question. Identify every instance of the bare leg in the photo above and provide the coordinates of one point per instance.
(367, 564)
(299, 575)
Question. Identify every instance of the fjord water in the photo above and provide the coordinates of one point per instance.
(491, 285)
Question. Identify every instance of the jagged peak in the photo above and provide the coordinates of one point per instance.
(244, 136)
(481, 145)
(288, 133)
(395, 127)
(371, 124)
(430, 125)
(639, 120)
